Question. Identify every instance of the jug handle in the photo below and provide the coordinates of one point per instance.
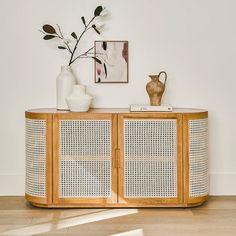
(163, 72)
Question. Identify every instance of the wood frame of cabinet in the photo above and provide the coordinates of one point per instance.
(49, 165)
(117, 200)
(150, 201)
(102, 201)
(191, 201)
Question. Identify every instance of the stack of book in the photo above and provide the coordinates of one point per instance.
(148, 108)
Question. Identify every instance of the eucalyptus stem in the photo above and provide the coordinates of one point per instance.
(73, 52)
(42, 32)
(83, 54)
(63, 39)
(50, 32)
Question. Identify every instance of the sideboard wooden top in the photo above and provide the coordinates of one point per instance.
(111, 110)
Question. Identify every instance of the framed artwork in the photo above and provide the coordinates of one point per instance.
(111, 61)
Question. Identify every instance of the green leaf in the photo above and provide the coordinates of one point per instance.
(83, 19)
(73, 34)
(62, 47)
(98, 10)
(94, 27)
(49, 29)
(47, 37)
(97, 60)
(105, 69)
(104, 45)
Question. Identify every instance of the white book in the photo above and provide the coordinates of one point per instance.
(148, 108)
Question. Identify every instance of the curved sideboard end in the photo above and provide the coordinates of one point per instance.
(195, 157)
(38, 150)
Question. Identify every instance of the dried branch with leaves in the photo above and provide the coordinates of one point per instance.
(66, 44)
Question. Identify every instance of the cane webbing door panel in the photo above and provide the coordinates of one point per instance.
(198, 161)
(84, 157)
(150, 159)
(196, 157)
(38, 179)
(35, 157)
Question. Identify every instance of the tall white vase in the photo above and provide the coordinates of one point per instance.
(65, 82)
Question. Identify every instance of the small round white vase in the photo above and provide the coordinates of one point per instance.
(78, 100)
(65, 82)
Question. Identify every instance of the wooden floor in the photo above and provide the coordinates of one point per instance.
(216, 217)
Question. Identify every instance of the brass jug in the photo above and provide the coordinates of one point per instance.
(155, 88)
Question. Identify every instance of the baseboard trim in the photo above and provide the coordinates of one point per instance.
(221, 184)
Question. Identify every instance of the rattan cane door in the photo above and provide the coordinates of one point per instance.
(84, 168)
(38, 143)
(196, 157)
(150, 159)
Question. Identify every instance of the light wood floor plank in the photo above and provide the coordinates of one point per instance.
(215, 218)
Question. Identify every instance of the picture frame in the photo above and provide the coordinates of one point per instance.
(111, 61)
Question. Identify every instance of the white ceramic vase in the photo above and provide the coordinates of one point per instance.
(78, 100)
(65, 82)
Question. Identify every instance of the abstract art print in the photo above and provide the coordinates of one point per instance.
(111, 61)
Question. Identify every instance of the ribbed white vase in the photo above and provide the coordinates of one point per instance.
(65, 81)
(78, 100)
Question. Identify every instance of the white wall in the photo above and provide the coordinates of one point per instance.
(193, 40)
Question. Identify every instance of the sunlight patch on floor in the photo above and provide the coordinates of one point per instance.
(74, 221)
(136, 232)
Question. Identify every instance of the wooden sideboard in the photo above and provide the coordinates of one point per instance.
(116, 158)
